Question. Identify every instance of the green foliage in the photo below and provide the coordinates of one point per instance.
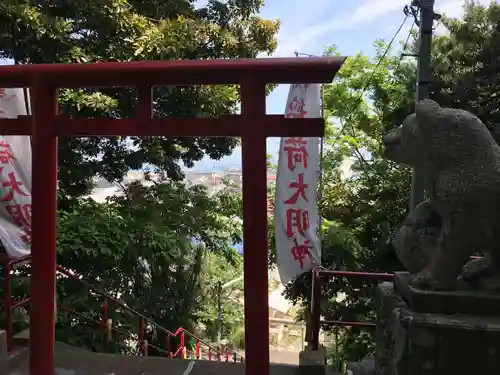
(119, 30)
(159, 249)
(271, 243)
(238, 337)
(216, 271)
(363, 208)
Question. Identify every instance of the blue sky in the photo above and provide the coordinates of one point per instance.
(309, 26)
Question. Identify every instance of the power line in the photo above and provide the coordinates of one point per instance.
(358, 156)
(413, 11)
(297, 54)
(372, 75)
(405, 46)
(408, 11)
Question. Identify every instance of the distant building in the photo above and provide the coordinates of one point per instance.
(214, 181)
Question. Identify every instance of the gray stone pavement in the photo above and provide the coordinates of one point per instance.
(74, 361)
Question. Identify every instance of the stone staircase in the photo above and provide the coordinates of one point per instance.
(71, 360)
(77, 361)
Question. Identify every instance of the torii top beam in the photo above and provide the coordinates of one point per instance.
(177, 72)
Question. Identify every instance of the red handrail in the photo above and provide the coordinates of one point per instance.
(318, 277)
(365, 275)
(107, 328)
(315, 321)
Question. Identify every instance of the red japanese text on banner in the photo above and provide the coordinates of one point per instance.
(15, 180)
(296, 215)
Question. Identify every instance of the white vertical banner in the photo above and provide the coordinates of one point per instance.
(15, 179)
(296, 219)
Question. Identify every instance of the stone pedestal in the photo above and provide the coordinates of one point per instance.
(312, 362)
(386, 301)
(365, 367)
(465, 302)
(4, 359)
(434, 343)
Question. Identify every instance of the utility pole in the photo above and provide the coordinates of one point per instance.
(427, 16)
(219, 313)
(220, 287)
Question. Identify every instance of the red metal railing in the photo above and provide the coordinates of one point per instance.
(318, 278)
(316, 322)
(202, 349)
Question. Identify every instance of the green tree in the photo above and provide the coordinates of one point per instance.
(148, 247)
(215, 271)
(159, 249)
(120, 30)
(362, 210)
(465, 63)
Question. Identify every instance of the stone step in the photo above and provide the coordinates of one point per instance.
(74, 361)
(284, 357)
(22, 338)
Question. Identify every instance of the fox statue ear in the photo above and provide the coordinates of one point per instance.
(425, 112)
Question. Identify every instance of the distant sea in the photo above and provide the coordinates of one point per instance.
(234, 160)
(239, 248)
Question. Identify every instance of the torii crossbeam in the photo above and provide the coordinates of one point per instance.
(253, 126)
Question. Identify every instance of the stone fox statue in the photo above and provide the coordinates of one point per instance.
(461, 214)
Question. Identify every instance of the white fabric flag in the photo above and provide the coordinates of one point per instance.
(296, 220)
(15, 174)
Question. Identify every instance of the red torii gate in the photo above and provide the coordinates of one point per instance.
(253, 126)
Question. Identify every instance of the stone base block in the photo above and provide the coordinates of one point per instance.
(365, 367)
(4, 364)
(466, 302)
(436, 344)
(419, 343)
(312, 362)
(386, 301)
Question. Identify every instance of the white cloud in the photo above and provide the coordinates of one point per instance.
(370, 10)
(201, 3)
(298, 19)
(101, 194)
(288, 44)
(455, 8)
(452, 8)
(366, 12)
(363, 15)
